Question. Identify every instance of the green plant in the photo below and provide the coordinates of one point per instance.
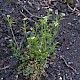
(41, 45)
(13, 43)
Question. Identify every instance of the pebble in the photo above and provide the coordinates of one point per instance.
(11, 56)
(74, 19)
(2, 44)
(59, 49)
(1, 78)
(75, 50)
(67, 48)
(70, 43)
(73, 34)
(69, 23)
(60, 78)
(6, 38)
(38, 8)
(16, 76)
(24, 1)
(70, 62)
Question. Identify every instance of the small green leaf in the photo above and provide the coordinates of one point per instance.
(53, 54)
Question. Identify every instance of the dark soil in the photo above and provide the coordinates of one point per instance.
(66, 65)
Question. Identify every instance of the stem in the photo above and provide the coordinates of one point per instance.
(22, 42)
(45, 35)
(13, 36)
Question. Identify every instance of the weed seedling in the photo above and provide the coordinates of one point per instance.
(13, 43)
(41, 44)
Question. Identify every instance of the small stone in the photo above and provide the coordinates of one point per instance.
(74, 19)
(59, 49)
(1, 78)
(11, 56)
(71, 43)
(38, 8)
(16, 76)
(24, 1)
(6, 38)
(75, 50)
(67, 48)
(69, 23)
(70, 63)
(2, 44)
(60, 78)
(22, 10)
(73, 34)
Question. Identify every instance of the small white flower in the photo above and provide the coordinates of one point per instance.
(63, 14)
(45, 18)
(56, 23)
(28, 31)
(50, 10)
(28, 46)
(8, 15)
(39, 50)
(10, 40)
(31, 38)
(25, 19)
(31, 28)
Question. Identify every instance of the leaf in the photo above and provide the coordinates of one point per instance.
(55, 33)
(28, 71)
(53, 54)
(42, 62)
(10, 22)
(32, 56)
(56, 23)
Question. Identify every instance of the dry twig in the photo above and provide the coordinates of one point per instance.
(75, 9)
(5, 67)
(68, 65)
(30, 13)
(26, 17)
